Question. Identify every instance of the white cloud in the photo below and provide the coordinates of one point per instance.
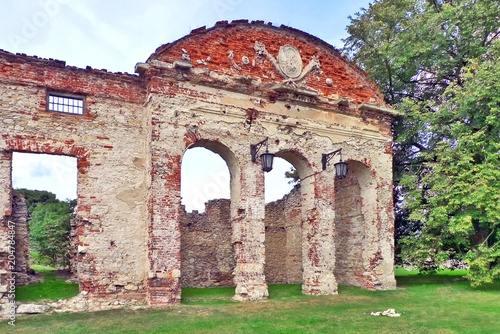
(54, 173)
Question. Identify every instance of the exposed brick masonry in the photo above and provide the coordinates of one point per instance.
(207, 253)
(223, 88)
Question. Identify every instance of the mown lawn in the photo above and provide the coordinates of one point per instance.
(52, 288)
(443, 303)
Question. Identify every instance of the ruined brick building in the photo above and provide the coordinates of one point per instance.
(223, 88)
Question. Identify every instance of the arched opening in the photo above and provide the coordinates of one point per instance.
(43, 202)
(205, 177)
(208, 177)
(283, 219)
(350, 224)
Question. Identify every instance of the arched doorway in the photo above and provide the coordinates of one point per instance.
(353, 196)
(284, 222)
(207, 256)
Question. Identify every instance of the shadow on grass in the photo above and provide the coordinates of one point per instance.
(207, 296)
(414, 278)
(224, 295)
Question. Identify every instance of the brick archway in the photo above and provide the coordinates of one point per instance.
(236, 83)
(207, 255)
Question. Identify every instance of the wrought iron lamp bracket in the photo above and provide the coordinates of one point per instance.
(325, 158)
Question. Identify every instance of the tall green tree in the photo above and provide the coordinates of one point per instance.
(50, 227)
(432, 59)
(34, 197)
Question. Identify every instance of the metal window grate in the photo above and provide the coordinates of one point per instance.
(65, 104)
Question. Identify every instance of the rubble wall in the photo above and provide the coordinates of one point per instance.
(224, 88)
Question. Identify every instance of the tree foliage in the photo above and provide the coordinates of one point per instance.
(33, 197)
(49, 226)
(293, 175)
(437, 62)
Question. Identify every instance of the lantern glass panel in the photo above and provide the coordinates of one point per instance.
(341, 169)
(267, 161)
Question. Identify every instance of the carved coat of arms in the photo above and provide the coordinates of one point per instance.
(289, 62)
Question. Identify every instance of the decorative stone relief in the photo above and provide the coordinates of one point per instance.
(289, 63)
(204, 61)
(185, 61)
(185, 55)
(231, 58)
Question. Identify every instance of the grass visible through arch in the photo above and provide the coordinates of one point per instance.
(224, 295)
(442, 303)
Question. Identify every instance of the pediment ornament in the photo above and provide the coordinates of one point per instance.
(288, 62)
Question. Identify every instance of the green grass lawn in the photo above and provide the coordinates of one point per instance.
(52, 288)
(442, 303)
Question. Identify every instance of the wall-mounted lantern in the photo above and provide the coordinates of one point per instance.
(340, 167)
(265, 158)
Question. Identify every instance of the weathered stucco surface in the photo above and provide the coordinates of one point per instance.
(222, 88)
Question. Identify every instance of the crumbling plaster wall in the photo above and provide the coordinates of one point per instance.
(207, 257)
(202, 95)
(109, 142)
(284, 239)
(232, 92)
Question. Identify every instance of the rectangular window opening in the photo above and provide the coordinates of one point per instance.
(68, 104)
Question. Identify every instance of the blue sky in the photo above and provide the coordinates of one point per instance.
(116, 35)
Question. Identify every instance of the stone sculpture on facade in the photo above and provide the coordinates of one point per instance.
(248, 82)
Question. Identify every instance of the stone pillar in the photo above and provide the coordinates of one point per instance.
(384, 270)
(318, 249)
(249, 234)
(378, 252)
(6, 183)
(20, 218)
(6, 207)
(163, 283)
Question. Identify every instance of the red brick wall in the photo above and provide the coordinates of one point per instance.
(130, 141)
(215, 43)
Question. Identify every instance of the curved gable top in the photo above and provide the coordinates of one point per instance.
(281, 57)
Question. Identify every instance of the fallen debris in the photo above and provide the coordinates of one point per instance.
(388, 313)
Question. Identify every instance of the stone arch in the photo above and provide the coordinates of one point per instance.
(232, 163)
(136, 128)
(305, 171)
(355, 203)
(207, 255)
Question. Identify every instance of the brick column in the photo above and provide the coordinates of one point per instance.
(378, 251)
(249, 233)
(163, 283)
(318, 249)
(6, 183)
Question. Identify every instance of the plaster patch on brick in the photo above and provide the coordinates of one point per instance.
(129, 146)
